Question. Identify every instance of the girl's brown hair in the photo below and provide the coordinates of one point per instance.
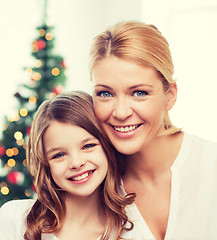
(49, 209)
(142, 44)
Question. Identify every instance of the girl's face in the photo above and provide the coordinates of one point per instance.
(77, 161)
(130, 103)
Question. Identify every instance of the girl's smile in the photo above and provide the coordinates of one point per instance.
(81, 177)
(77, 161)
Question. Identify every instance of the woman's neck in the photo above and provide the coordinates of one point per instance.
(155, 159)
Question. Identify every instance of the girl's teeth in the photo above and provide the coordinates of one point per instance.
(125, 129)
(80, 177)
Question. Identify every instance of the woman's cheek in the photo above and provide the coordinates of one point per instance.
(102, 111)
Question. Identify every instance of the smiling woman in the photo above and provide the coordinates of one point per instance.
(124, 90)
(170, 170)
(74, 169)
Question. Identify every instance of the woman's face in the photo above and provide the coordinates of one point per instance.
(130, 103)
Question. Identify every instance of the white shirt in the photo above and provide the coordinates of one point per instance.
(193, 207)
(12, 222)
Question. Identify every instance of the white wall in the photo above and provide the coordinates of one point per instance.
(17, 26)
(191, 29)
(78, 21)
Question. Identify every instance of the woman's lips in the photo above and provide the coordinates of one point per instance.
(126, 129)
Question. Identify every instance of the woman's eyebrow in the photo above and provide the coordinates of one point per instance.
(102, 85)
(141, 85)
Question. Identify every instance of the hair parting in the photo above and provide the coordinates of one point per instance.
(139, 43)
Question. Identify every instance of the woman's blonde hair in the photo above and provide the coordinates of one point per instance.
(142, 44)
(49, 209)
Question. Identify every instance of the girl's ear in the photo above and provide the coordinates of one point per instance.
(171, 96)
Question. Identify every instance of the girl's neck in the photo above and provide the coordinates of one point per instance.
(85, 218)
(155, 159)
(82, 209)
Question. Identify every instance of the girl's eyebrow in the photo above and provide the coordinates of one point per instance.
(52, 150)
(59, 148)
(89, 139)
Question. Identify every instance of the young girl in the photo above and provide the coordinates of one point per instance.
(75, 174)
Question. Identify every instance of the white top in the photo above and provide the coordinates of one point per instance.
(12, 222)
(193, 209)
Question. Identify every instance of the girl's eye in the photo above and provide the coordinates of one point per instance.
(88, 146)
(140, 94)
(104, 94)
(58, 155)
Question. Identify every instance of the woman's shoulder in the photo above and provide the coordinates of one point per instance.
(200, 151)
(201, 142)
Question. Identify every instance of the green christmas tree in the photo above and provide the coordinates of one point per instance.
(47, 79)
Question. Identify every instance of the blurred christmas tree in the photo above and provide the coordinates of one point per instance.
(47, 79)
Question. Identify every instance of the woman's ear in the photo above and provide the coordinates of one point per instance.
(171, 96)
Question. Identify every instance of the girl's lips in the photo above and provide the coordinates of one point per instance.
(81, 177)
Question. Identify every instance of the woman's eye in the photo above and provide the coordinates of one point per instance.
(104, 94)
(88, 146)
(140, 93)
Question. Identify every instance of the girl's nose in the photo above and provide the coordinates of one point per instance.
(76, 161)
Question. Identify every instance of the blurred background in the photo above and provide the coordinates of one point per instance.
(189, 26)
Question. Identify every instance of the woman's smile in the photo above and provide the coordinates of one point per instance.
(130, 103)
(126, 129)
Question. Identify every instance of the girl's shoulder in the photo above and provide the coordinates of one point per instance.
(12, 218)
(16, 207)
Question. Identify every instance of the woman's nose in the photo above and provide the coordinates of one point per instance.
(122, 109)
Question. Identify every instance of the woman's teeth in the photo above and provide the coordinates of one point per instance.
(126, 129)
